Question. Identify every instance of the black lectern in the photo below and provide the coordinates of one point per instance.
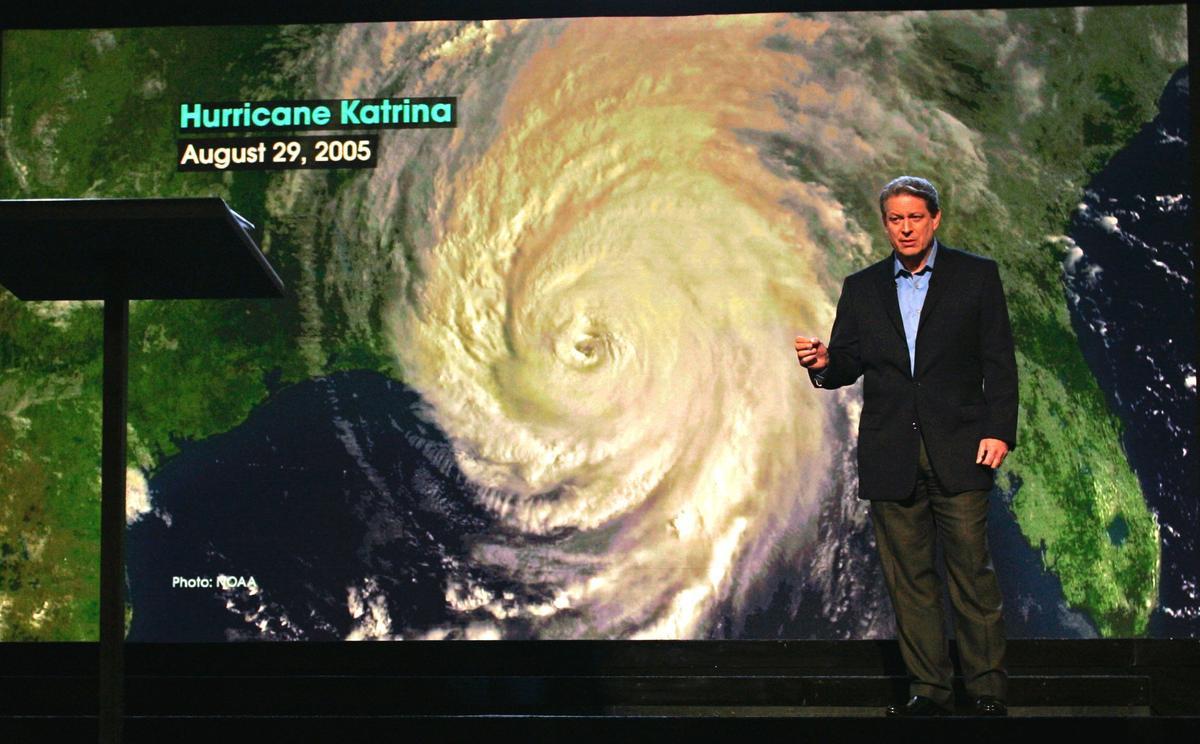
(117, 250)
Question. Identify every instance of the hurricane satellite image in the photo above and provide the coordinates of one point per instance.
(533, 377)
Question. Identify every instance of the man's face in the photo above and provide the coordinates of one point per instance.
(909, 225)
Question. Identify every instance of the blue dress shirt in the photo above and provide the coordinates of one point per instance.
(910, 292)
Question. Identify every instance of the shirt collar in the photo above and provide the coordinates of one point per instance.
(899, 267)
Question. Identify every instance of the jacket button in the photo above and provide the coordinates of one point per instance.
(914, 426)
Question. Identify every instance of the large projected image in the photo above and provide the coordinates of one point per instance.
(534, 376)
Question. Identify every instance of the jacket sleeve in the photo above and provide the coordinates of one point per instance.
(845, 364)
(999, 361)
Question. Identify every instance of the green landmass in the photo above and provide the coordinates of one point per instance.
(73, 125)
(196, 368)
(1074, 478)
(1098, 86)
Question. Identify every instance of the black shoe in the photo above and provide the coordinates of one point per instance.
(989, 705)
(916, 707)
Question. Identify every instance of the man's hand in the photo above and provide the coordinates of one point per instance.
(811, 353)
(991, 452)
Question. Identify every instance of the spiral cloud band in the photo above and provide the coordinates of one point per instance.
(605, 322)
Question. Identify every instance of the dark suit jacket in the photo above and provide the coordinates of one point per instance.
(964, 387)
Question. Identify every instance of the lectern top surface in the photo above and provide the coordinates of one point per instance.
(91, 249)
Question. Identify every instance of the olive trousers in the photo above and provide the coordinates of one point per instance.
(905, 532)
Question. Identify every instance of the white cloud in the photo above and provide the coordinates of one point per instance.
(137, 495)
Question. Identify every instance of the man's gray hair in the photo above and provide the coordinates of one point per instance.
(911, 185)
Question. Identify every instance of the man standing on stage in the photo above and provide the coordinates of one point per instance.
(927, 329)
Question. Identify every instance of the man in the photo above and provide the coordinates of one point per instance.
(927, 329)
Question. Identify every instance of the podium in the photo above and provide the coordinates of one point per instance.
(118, 250)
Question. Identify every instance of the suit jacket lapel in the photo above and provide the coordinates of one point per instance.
(939, 281)
(885, 283)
